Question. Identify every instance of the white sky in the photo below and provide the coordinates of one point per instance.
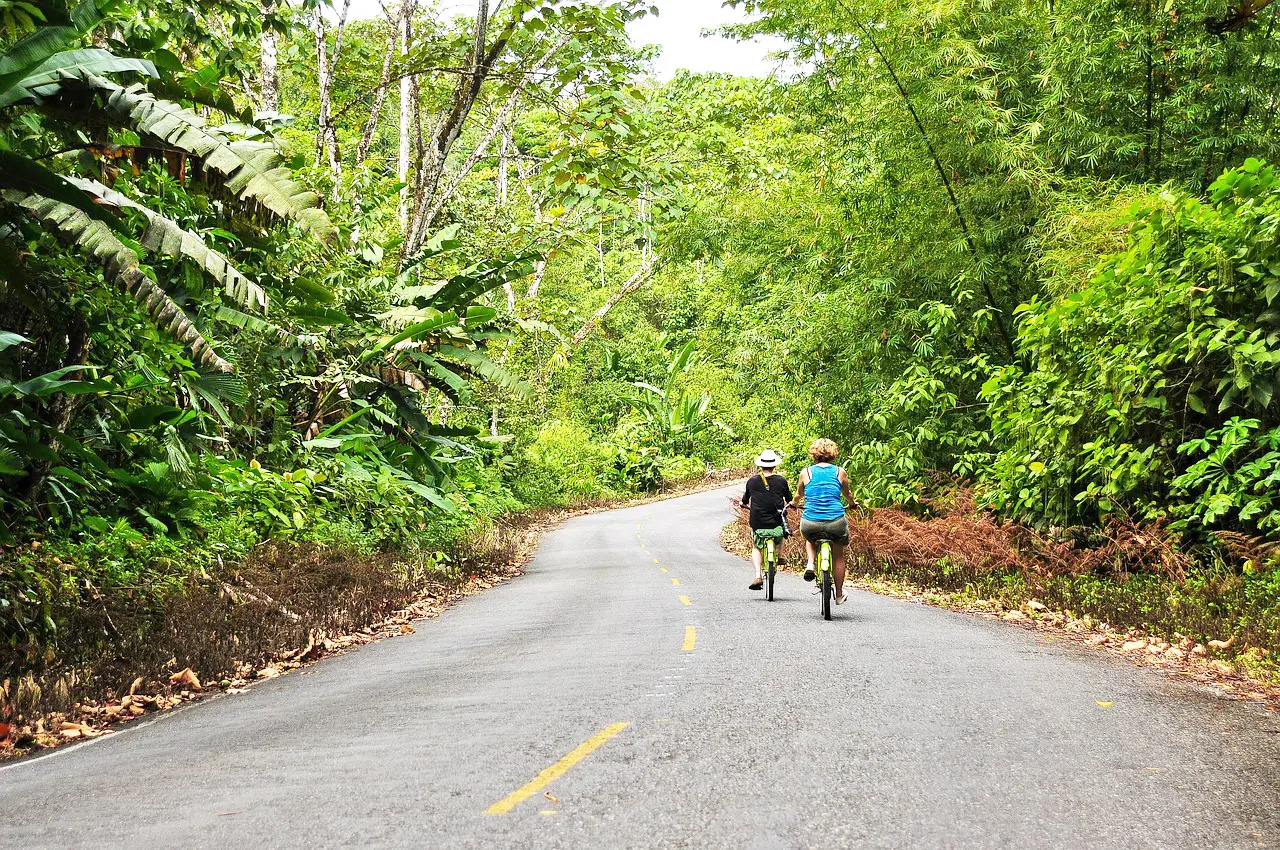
(677, 29)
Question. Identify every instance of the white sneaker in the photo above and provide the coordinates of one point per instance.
(840, 600)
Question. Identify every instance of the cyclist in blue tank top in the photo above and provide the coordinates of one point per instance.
(824, 492)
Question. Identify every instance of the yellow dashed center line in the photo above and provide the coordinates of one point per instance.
(664, 569)
(685, 600)
(675, 581)
(551, 774)
(655, 560)
(690, 638)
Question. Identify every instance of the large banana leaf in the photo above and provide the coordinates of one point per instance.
(24, 176)
(93, 237)
(46, 78)
(435, 373)
(166, 236)
(25, 55)
(482, 365)
(253, 171)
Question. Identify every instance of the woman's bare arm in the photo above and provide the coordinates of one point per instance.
(846, 489)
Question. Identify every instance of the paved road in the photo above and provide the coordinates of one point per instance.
(894, 726)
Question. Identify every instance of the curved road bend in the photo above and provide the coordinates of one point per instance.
(748, 724)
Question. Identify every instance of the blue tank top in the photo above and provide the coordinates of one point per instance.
(822, 495)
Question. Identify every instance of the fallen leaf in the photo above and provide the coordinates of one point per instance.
(5, 730)
(1222, 644)
(1105, 703)
(1222, 666)
(268, 672)
(1133, 645)
(186, 677)
(547, 794)
(1036, 605)
(1015, 616)
(137, 683)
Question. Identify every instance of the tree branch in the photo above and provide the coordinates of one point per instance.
(636, 281)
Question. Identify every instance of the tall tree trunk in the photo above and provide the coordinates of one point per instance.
(450, 127)
(406, 112)
(380, 93)
(327, 141)
(269, 63)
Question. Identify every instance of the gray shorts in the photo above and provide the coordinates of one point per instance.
(835, 530)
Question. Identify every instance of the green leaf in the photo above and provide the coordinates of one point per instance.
(95, 239)
(251, 170)
(23, 177)
(25, 55)
(9, 338)
(166, 236)
(46, 78)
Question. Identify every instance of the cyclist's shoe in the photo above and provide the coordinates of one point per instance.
(841, 599)
(808, 573)
(758, 584)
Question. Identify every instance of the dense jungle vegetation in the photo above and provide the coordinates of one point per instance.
(273, 274)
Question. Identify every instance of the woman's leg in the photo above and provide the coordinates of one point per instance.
(837, 553)
(757, 558)
(812, 553)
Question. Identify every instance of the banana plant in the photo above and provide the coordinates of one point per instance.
(390, 387)
(50, 71)
(677, 417)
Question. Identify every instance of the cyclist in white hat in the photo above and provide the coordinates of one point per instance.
(766, 497)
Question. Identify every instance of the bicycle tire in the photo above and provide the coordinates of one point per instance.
(826, 595)
(768, 582)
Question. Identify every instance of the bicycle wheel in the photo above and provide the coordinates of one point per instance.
(826, 596)
(824, 566)
(768, 582)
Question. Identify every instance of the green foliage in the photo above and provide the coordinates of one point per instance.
(565, 463)
(1171, 353)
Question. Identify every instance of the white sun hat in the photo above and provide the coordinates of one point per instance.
(768, 459)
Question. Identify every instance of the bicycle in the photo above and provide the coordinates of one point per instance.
(770, 567)
(823, 576)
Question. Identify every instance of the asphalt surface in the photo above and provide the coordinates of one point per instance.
(893, 726)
